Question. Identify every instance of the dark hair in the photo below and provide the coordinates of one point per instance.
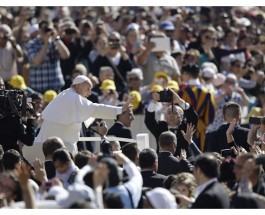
(112, 200)
(168, 181)
(81, 158)
(147, 157)
(62, 155)
(51, 145)
(166, 139)
(193, 70)
(130, 150)
(115, 174)
(231, 110)
(208, 164)
(10, 159)
(226, 170)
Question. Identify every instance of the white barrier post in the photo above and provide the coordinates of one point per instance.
(142, 140)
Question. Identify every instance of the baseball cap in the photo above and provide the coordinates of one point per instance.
(219, 80)
(136, 71)
(33, 28)
(49, 95)
(108, 85)
(156, 87)
(161, 198)
(161, 75)
(17, 81)
(208, 72)
(80, 79)
(136, 100)
(167, 25)
(173, 85)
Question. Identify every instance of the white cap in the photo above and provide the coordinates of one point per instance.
(209, 64)
(208, 72)
(219, 80)
(33, 28)
(80, 79)
(136, 71)
(161, 198)
(133, 26)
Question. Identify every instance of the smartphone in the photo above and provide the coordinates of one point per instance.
(260, 160)
(255, 120)
(226, 153)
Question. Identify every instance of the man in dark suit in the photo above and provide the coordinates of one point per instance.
(217, 140)
(209, 193)
(121, 127)
(48, 148)
(148, 162)
(167, 163)
(175, 120)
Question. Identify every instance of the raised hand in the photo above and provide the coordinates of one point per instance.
(39, 172)
(127, 105)
(190, 130)
(231, 127)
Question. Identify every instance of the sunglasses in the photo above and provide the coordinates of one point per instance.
(230, 82)
(114, 40)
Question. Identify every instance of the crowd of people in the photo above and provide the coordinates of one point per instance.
(196, 75)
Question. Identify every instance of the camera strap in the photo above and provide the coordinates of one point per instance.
(117, 72)
(12, 105)
(24, 104)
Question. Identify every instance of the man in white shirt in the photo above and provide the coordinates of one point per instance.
(64, 115)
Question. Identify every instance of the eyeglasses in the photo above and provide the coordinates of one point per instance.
(134, 79)
(230, 82)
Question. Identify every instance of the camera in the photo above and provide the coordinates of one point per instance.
(255, 120)
(260, 160)
(46, 29)
(227, 153)
(165, 95)
(94, 126)
(12, 103)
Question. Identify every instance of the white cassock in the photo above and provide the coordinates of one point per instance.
(64, 115)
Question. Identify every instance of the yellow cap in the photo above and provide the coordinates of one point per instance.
(156, 87)
(173, 85)
(49, 95)
(108, 85)
(17, 81)
(161, 75)
(137, 98)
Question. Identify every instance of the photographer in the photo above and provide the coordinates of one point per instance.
(44, 53)
(176, 119)
(13, 128)
(10, 53)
